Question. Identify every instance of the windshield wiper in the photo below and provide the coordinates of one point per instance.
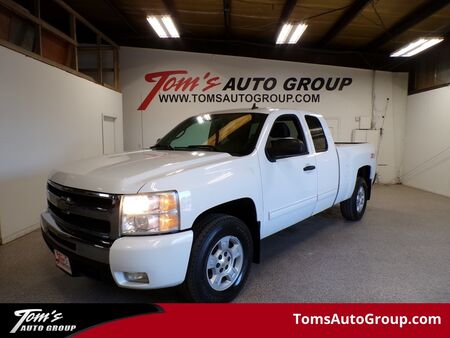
(162, 147)
(192, 146)
(203, 146)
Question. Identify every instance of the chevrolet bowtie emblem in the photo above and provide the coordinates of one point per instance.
(64, 204)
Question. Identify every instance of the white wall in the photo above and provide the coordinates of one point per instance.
(143, 128)
(390, 116)
(426, 161)
(47, 117)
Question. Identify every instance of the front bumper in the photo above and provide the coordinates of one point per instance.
(163, 257)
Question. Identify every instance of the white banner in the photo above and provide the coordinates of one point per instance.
(161, 88)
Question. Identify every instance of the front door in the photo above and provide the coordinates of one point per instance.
(289, 184)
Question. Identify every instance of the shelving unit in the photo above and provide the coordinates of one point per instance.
(52, 32)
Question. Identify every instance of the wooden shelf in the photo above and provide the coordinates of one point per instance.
(56, 47)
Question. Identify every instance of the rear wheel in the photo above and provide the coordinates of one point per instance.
(353, 209)
(220, 259)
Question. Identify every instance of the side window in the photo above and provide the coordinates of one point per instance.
(287, 128)
(317, 133)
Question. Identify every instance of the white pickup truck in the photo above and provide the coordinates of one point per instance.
(192, 210)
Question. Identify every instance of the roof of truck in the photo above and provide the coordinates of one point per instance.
(263, 110)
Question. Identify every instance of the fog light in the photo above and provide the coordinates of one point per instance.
(136, 277)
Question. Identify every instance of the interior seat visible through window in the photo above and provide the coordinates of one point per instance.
(286, 126)
(279, 130)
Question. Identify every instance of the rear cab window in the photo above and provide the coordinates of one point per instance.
(317, 133)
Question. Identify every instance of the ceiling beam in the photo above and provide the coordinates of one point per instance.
(421, 13)
(286, 12)
(172, 11)
(227, 17)
(122, 16)
(355, 8)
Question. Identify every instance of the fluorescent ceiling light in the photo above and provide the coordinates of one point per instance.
(299, 30)
(154, 22)
(426, 45)
(284, 33)
(416, 47)
(163, 26)
(290, 35)
(168, 23)
(408, 48)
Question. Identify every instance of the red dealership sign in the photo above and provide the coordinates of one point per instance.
(186, 88)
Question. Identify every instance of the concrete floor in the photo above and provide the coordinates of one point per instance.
(399, 252)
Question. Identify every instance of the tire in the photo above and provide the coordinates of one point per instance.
(353, 209)
(220, 259)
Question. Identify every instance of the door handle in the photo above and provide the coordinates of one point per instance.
(309, 168)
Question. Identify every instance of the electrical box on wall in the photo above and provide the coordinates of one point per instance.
(365, 122)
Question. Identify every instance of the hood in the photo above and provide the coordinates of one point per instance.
(126, 173)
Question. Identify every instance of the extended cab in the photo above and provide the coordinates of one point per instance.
(192, 209)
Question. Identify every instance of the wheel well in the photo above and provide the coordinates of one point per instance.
(364, 172)
(245, 210)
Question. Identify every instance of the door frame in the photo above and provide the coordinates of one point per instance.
(113, 118)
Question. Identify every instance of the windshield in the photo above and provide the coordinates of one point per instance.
(233, 133)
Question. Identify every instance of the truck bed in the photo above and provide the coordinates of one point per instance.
(352, 155)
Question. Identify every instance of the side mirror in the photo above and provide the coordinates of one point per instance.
(286, 147)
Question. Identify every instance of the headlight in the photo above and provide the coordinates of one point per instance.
(146, 214)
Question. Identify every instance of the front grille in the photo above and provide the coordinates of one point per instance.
(88, 215)
(81, 197)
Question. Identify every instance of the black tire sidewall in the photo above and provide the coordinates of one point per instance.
(360, 182)
(197, 283)
(348, 207)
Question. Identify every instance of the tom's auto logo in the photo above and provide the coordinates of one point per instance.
(178, 86)
(36, 320)
(63, 319)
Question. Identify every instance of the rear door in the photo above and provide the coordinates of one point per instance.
(326, 160)
(289, 184)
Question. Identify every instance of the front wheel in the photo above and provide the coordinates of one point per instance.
(353, 209)
(220, 259)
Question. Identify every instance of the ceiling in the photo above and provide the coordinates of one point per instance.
(359, 33)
